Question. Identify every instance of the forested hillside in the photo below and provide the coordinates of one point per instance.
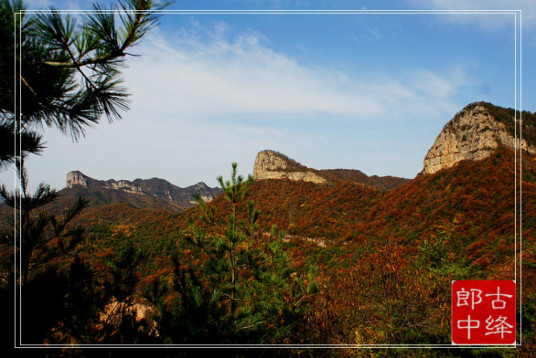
(281, 261)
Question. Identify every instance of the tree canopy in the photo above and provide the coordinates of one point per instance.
(63, 71)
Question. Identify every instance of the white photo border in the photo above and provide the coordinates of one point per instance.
(518, 25)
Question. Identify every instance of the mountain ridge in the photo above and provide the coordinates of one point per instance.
(270, 164)
(474, 133)
(139, 192)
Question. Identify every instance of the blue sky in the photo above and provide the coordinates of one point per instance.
(362, 91)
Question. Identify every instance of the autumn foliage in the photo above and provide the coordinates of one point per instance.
(339, 263)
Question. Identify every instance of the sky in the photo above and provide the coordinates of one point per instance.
(358, 90)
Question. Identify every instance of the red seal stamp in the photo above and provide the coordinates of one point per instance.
(483, 312)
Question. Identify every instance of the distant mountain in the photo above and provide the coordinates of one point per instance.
(270, 164)
(151, 193)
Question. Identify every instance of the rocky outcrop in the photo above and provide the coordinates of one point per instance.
(76, 178)
(124, 185)
(474, 133)
(273, 165)
(205, 192)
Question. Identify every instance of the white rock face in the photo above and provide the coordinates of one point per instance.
(76, 178)
(272, 165)
(125, 186)
(473, 134)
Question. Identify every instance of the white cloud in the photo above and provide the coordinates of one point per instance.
(201, 100)
(439, 86)
(220, 78)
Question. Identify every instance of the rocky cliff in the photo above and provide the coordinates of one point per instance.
(76, 178)
(476, 132)
(270, 164)
(274, 165)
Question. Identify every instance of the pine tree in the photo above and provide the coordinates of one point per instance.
(34, 235)
(67, 69)
(59, 71)
(66, 76)
(248, 289)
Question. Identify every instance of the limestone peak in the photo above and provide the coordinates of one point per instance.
(475, 133)
(270, 164)
(76, 178)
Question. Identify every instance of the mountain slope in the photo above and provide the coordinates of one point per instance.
(383, 261)
(375, 181)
